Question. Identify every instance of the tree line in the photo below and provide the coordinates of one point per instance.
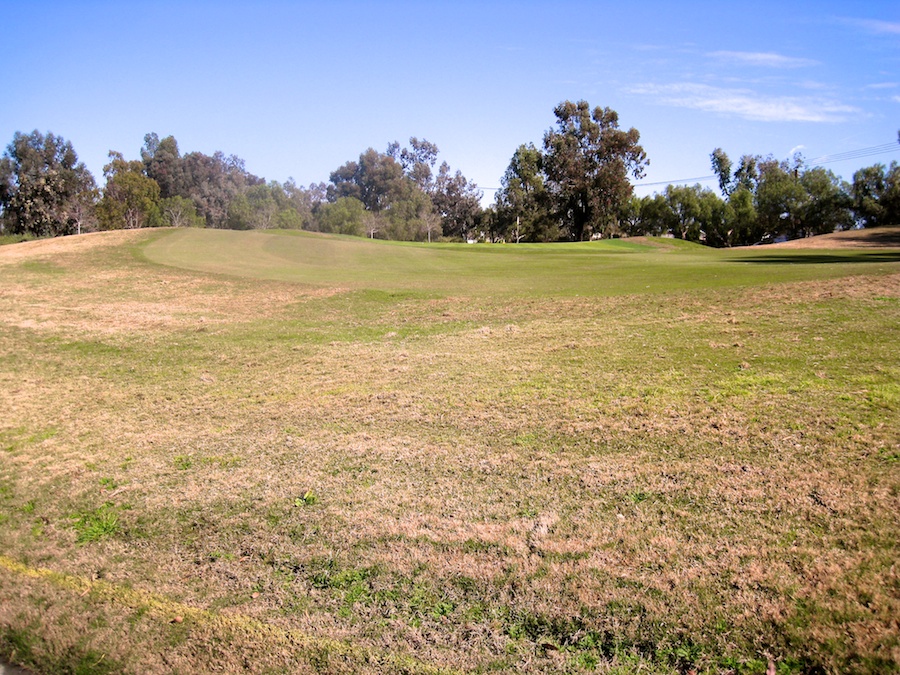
(575, 186)
(398, 194)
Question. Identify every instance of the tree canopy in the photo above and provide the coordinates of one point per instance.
(43, 186)
(402, 197)
(587, 162)
(576, 185)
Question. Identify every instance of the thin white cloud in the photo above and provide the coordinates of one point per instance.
(651, 48)
(747, 104)
(883, 85)
(812, 85)
(763, 59)
(876, 26)
(796, 149)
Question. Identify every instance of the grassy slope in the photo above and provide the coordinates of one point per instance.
(599, 268)
(353, 456)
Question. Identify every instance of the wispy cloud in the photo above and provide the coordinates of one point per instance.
(747, 104)
(876, 26)
(763, 59)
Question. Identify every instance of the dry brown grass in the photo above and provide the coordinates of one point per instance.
(695, 481)
(880, 237)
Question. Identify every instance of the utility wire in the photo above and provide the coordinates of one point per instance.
(855, 154)
(816, 161)
(700, 179)
(861, 153)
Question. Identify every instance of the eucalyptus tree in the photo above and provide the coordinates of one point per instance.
(684, 216)
(829, 205)
(164, 164)
(179, 212)
(587, 161)
(788, 198)
(457, 202)
(876, 195)
(417, 161)
(780, 197)
(346, 215)
(523, 205)
(655, 216)
(212, 182)
(746, 175)
(377, 180)
(745, 227)
(301, 205)
(44, 190)
(130, 198)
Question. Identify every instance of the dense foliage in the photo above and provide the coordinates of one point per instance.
(576, 186)
(545, 197)
(44, 190)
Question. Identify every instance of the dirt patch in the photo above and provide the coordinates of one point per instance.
(882, 237)
(76, 243)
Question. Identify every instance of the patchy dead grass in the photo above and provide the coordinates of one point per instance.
(350, 482)
(878, 237)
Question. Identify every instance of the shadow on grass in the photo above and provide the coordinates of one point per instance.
(889, 236)
(802, 258)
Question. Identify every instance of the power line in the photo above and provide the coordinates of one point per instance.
(861, 153)
(700, 179)
(855, 154)
(872, 151)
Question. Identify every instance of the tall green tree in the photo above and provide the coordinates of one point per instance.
(212, 182)
(417, 161)
(130, 198)
(263, 204)
(523, 206)
(377, 180)
(44, 190)
(745, 227)
(716, 218)
(746, 175)
(410, 218)
(829, 205)
(588, 161)
(780, 198)
(400, 187)
(403, 210)
(346, 215)
(876, 195)
(788, 198)
(179, 212)
(163, 163)
(684, 211)
(457, 202)
(300, 205)
(721, 165)
(655, 216)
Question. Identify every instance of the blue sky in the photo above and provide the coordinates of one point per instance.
(298, 88)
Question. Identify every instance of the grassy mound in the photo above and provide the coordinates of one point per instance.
(617, 267)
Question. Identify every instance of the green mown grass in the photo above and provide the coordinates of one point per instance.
(531, 270)
(283, 452)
